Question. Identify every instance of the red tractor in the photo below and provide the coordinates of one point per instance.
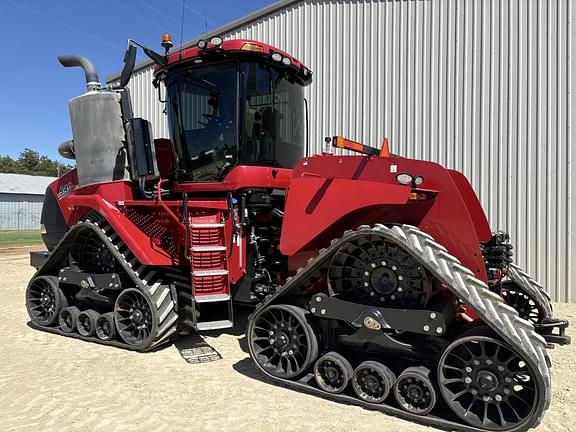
(374, 279)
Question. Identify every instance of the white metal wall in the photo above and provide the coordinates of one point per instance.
(483, 86)
(20, 211)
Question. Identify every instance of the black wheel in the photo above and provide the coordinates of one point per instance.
(372, 381)
(86, 322)
(526, 307)
(414, 391)
(68, 319)
(105, 327)
(487, 384)
(135, 318)
(45, 300)
(90, 254)
(371, 270)
(281, 341)
(332, 372)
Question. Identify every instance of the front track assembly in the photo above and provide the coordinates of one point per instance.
(493, 375)
(137, 308)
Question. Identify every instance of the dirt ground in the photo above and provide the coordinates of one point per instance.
(53, 383)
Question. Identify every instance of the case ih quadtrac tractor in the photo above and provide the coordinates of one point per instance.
(374, 279)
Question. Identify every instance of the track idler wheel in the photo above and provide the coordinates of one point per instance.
(487, 384)
(281, 341)
(45, 300)
(86, 322)
(332, 372)
(414, 391)
(68, 319)
(372, 381)
(135, 318)
(105, 327)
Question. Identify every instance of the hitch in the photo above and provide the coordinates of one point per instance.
(546, 330)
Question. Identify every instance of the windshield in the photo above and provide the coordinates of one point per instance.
(231, 113)
(273, 118)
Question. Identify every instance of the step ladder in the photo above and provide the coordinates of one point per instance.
(210, 278)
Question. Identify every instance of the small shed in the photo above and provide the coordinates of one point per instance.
(21, 198)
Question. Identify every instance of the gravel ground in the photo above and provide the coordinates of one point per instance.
(54, 383)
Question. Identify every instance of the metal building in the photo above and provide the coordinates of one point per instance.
(21, 198)
(483, 86)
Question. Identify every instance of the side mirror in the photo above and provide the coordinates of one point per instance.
(129, 62)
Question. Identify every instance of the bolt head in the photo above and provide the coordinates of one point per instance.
(439, 330)
(392, 297)
(476, 363)
(313, 310)
(498, 398)
(318, 299)
(474, 392)
(366, 273)
(468, 369)
(488, 361)
(366, 284)
(400, 289)
(323, 312)
(372, 294)
(468, 380)
(394, 268)
(383, 263)
(426, 328)
(433, 315)
(501, 368)
(373, 265)
(486, 398)
(400, 277)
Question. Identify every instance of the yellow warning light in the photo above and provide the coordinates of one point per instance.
(252, 47)
(167, 42)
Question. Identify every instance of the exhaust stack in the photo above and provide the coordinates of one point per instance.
(92, 81)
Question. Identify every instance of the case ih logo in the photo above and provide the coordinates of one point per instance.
(64, 189)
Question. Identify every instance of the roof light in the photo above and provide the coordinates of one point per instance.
(202, 44)
(276, 57)
(252, 47)
(216, 41)
(286, 61)
(343, 143)
(404, 178)
(167, 41)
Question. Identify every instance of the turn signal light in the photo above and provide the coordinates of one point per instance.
(252, 47)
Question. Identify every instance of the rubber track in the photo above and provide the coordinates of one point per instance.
(501, 318)
(531, 288)
(146, 278)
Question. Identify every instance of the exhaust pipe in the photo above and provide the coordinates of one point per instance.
(92, 81)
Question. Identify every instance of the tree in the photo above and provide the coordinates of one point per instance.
(30, 162)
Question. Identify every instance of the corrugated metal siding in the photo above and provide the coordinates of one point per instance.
(483, 86)
(20, 211)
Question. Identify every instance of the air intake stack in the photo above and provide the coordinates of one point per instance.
(97, 128)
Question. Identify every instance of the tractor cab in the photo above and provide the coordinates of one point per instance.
(233, 103)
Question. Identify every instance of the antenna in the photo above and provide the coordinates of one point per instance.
(182, 30)
(205, 20)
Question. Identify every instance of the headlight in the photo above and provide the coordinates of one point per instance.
(216, 41)
(276, 57)
(404, 178)
(202, 44)
(418, 180)
(286, 61)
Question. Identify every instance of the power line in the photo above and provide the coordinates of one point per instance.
(200, 14)
(160, 12)
(139, 16)
(68, 26)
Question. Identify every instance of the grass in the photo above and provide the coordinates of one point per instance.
(20, 238)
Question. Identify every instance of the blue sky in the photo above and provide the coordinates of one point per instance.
(35, 89)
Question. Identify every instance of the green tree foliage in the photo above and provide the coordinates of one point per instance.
(30, 162)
